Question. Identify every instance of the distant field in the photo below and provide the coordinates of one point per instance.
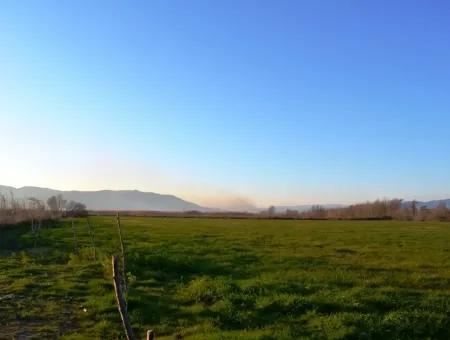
(232, 279)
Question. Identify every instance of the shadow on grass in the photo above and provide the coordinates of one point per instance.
(10, 237)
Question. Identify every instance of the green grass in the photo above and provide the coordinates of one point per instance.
(232, 279)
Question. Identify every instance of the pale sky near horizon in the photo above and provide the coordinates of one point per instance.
(228, 103)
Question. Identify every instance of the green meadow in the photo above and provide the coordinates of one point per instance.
(193, 278)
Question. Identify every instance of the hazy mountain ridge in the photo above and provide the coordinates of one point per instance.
(139, 200)
(109, 199)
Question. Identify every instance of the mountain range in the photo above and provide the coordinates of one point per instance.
(139, 200)
(108, 199)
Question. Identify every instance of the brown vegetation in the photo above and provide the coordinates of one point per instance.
(393, 209)
(15, 211)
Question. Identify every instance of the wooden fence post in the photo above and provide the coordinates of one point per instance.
(122, 249)
(150, 335)
(121, 305)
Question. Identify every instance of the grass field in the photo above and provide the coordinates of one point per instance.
(231, 279)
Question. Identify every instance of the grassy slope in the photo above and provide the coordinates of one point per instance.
(249, 279)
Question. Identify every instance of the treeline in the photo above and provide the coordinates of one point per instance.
(14, 211)
(393, 209)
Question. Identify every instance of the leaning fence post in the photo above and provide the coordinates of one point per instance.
(121, 305)
(122, 249)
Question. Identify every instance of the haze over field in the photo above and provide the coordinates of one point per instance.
(232, 105)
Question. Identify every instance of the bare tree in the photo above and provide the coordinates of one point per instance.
(52, 203)
(13, 211)
(61, 202)
(414, 208)
(318, 211)
(441, 212)
(76, 209)
(57, 204)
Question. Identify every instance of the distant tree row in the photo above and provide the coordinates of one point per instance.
(380, 209)
(13, 210)
(58, 205)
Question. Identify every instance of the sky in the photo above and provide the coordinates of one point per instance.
(228, 103)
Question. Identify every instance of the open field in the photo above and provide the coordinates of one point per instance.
(229, 278)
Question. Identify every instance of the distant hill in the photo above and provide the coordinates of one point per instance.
(139, 200)
(109, 199)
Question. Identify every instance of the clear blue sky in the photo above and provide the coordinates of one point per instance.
(228, 102)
